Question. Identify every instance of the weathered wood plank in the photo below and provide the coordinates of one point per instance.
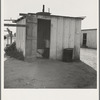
(20, 36)
(31, 38)
(59, 38)
(71, 34)
(66, 32)
(53, 38)
(28, 48)
(15, 25)
(23, 40)
(34, 40)
(77, 39)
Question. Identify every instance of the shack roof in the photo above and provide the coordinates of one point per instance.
(24, 16)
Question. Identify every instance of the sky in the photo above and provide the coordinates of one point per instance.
(88, 8)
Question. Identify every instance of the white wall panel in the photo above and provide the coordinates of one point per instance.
(59, 38)
(53, 35)
(21, 36)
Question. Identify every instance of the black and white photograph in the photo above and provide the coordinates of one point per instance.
(50, 44)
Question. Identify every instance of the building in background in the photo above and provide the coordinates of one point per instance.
(7, 40)
(89, 38)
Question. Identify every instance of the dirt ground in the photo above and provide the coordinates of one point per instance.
(43, 73)
(89, 56)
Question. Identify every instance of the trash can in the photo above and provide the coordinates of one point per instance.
(67, 54)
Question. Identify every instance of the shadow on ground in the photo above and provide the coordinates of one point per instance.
(43, 73)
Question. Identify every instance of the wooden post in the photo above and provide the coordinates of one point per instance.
(15, 25)
(31, 38)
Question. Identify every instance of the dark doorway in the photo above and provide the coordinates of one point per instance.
(43, 37)
(84, 39)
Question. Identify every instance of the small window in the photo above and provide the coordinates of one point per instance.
(84, 39)
(84, 35)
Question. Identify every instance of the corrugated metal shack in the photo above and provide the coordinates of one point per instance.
(89, 38)
(49, 35)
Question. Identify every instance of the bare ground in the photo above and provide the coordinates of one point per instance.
(44, 73)
(89, 56)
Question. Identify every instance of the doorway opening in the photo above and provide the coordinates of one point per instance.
(84, 39)
(43, 38)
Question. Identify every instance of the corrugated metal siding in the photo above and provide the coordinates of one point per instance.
(91, 38)
(21, 36)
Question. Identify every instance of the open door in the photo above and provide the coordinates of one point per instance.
(43, 37)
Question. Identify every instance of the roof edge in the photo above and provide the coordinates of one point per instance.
(89, 29)
(24, 15)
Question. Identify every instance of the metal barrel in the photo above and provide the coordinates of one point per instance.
(67, 54)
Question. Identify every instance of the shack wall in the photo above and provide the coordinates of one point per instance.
(21, 36)
(91, 38)
(65, 33)
(76, 54)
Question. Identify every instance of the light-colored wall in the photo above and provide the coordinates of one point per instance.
(91, 38)
(76, 53)
(21, 36)
(65, 33)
